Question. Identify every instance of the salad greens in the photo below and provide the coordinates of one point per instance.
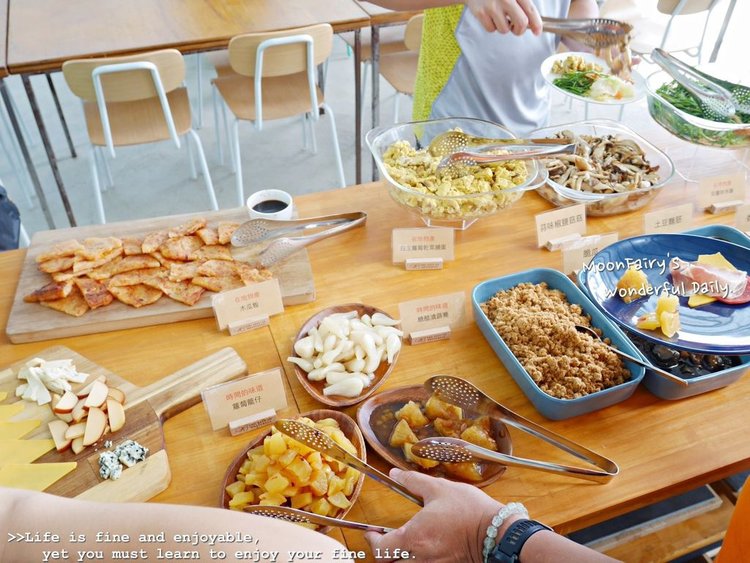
(578, 83)
(682, 99)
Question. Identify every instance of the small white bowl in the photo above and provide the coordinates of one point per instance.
(271, 204)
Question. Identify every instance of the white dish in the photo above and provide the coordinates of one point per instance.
(639, 83)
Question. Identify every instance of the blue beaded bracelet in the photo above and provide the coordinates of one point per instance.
(497, 522)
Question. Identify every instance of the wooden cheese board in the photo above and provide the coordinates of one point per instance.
(30, 322)
(146, 409)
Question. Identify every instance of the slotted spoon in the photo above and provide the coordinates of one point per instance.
(452, 141)
(455, 450)
(317, 440)
(596, 33)
(457, 163)
(715, 101)
(302, 517)
(460, 392)
(259, 230)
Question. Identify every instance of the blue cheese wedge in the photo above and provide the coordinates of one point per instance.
(109, 466)
(130, 452)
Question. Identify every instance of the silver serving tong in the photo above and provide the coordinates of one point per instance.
(456, 163)
(460, 392)
(453, 140)
(281, 247)
(596, 33)
(302, 517)
(322, 443)
(716, 101)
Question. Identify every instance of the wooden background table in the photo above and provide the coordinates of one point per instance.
(662, 447)
(92, 28)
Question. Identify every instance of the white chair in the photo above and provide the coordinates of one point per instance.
(672, 25)
(135, 100)
(399, 68)
(272, 76)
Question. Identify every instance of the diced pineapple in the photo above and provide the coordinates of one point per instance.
(272, 499)
(242, 499)
(319, 483)
(277, 483)
(246, 466)
(340, 438)
(273, 469)
(315, 460)
(299, 470)
(331, 422)
(447, 427)
(290, 491)
(667, 302)
(287, 457)
(412, 414)
(274, 445)
(633, 285)
(320, 506)
(647, 322)
(468, 470)
(335, 485)
(436, 408)
(426, 463)
(477, 435)
(351, 476)
(339, 500)
(402, 434)
(301, 499)
(670, 323)
(256, 479)
(260, 463)
(234, 488)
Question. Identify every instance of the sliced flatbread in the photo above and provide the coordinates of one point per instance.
(208, 235)
(251, 274)
(67, 275)
(131, 246)
(217, 268)
(184, 292)
(96, 248)
(137, 295)
(187, 228)
(165, 262)
(213, 252)
(226, 229)
(180, 248)
(153, 241)
(56, 264)
(95, 293)
(88, 265)
(135, 277)
(181, 271)
(74, 304)
(218, 284)
(126, 264)
(61, 249)
(50, 292)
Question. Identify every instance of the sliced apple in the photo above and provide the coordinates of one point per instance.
(58, 429)
(55, 398)
(117, 394)
(75, 430)
(66, 403)
(77, 445)
(86, 389)
(116, 414)
(65, 417)
(79, 411)
(95, 423)
(97, 395)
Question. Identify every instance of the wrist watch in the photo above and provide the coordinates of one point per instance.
(509, 548)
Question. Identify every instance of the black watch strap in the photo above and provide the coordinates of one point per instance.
(509, 548)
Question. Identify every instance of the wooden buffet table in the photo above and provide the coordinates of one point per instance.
(663, 448)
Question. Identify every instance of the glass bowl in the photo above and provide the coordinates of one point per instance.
(689, 127)
(456, 209)
(600, 204)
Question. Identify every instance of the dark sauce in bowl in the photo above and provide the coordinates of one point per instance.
(270, 206)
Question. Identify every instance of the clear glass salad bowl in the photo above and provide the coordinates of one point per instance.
(443, 200)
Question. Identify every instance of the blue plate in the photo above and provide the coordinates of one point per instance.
(716, 328)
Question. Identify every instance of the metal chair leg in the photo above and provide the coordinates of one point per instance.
(237, 162)
(97, 189)
(217, 124)
(199, 73)
(204, 169)
(61, 115)
(336, 148)
(191, 161)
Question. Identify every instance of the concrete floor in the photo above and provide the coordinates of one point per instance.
(151, 181)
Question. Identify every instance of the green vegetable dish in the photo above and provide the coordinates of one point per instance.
(672, 96)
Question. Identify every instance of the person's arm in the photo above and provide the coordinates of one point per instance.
(453, 523)
(505, 16)
(78, 522)
(580, 9)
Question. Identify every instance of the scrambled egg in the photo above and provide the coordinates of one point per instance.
(477, 191)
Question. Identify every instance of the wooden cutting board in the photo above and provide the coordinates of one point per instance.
(30, 322)
(146, 409)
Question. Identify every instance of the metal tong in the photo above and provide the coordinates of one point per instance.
(322, 443)
(715, 100)
(453, 140)
(597, 33)
(457, 162)
(460, 392)
(282, 246)
(302, 517)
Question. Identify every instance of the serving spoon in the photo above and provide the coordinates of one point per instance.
(453, 140)
(595, 335)
(457, 162)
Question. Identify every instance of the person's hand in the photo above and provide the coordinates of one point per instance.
(450, 528)
(505, 16)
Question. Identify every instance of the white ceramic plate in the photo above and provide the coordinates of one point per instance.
(639, 84)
